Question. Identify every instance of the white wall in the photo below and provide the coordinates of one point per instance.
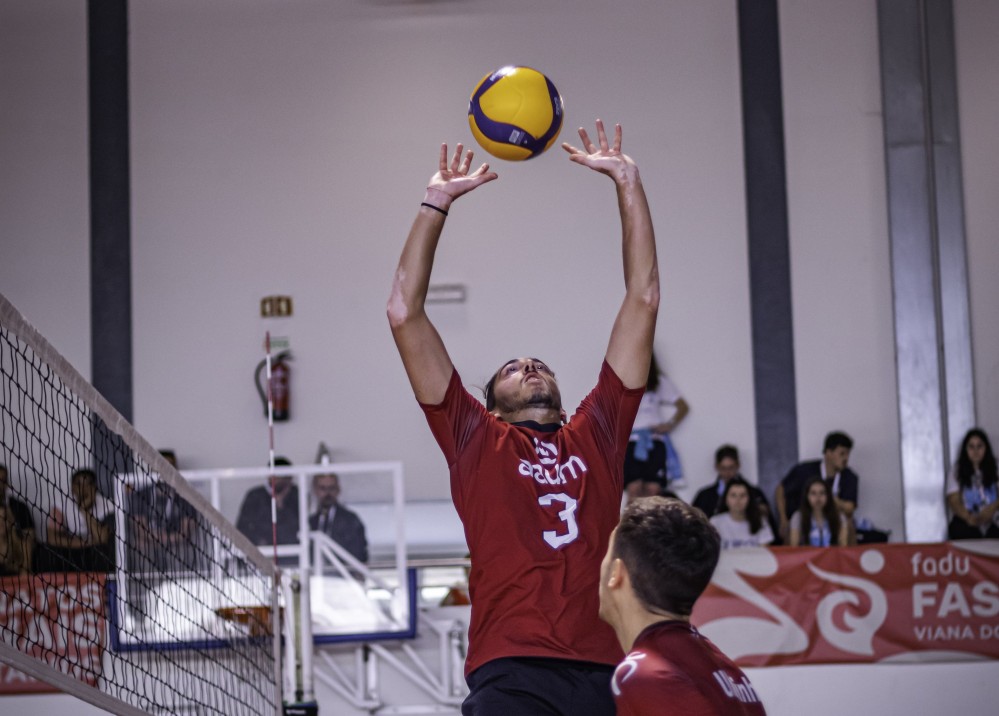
(285, 149)
(44, 212)
(841, 275)
(976, 27)
(259, 167)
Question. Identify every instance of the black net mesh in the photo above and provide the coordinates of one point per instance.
(114, 570)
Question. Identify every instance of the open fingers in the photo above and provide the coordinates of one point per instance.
(456, 157)
(466, 162)
(602, 136)
(442, 163)
(617, 137)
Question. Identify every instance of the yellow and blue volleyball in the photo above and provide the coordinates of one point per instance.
(515, 113)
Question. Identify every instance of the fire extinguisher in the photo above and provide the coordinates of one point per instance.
(280, 385)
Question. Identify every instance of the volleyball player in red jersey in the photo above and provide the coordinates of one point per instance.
(659, 561)
(538, 497)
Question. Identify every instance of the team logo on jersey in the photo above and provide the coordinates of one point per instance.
(625, 670)
(547, 470)
(547, 452)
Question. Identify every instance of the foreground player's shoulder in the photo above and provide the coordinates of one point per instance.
(645, 683)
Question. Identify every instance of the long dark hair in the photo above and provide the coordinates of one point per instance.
(654, 372)
(965, 470)
(830, 512)
(752, 507)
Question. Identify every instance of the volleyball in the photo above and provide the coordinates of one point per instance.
(515, 113)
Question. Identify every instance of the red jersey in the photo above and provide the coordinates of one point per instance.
(538, 507)
(673, 669)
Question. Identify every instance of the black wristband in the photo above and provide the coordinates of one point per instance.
(435, 208)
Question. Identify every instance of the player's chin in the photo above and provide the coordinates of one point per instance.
(543, 398)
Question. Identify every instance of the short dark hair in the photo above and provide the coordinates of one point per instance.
(725, 451)
(837, 439)
(85, 472)
(670, 551)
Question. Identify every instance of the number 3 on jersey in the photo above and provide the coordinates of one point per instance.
(567, 515)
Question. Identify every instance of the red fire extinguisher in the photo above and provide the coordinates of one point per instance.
(280, 385)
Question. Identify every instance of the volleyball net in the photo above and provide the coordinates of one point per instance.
(119, 582)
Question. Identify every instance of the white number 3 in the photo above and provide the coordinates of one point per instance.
(568, 515)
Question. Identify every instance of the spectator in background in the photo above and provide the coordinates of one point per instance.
(17, 530)
(651, 461)
(842, 482)
(817, 521)
(163, 525)
(709, 500)
(738, 521)
(342, 525)
(973, 489)
(80, 535)
(254, 518)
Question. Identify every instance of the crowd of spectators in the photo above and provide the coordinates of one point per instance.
(814, 504)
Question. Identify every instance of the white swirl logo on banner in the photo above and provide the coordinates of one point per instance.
(743, 636)
(858, 636)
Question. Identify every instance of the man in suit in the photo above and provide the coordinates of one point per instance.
(343, 526)
(843, 482)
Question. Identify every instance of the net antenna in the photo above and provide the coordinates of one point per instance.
(126, 588)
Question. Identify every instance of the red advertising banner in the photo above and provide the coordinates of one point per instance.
(58, 618)
(878, 603)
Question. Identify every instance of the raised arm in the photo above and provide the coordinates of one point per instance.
(630, 348)
(427, 362)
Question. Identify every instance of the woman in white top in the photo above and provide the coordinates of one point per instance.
(738, 520)
(818, 522)
(973, 489)
(651, 460)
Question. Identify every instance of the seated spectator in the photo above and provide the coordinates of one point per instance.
(13, 554)
(709, 499)
(17, 531)
(254, 518)
(335, 520)
(163, 525)
(843, 482)
(739, 522)
(973, 490)
(817, 521)
(80, 536)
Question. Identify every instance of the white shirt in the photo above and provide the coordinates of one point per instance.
(75, 522)
(657, 407)
(736, 534)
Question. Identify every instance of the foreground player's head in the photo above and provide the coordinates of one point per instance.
(523, 384)
(659, 560)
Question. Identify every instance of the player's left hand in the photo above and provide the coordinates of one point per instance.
(603, 156)
(454, 177)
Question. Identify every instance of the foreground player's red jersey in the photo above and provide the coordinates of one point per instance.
(538, 507)
(673, 669)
